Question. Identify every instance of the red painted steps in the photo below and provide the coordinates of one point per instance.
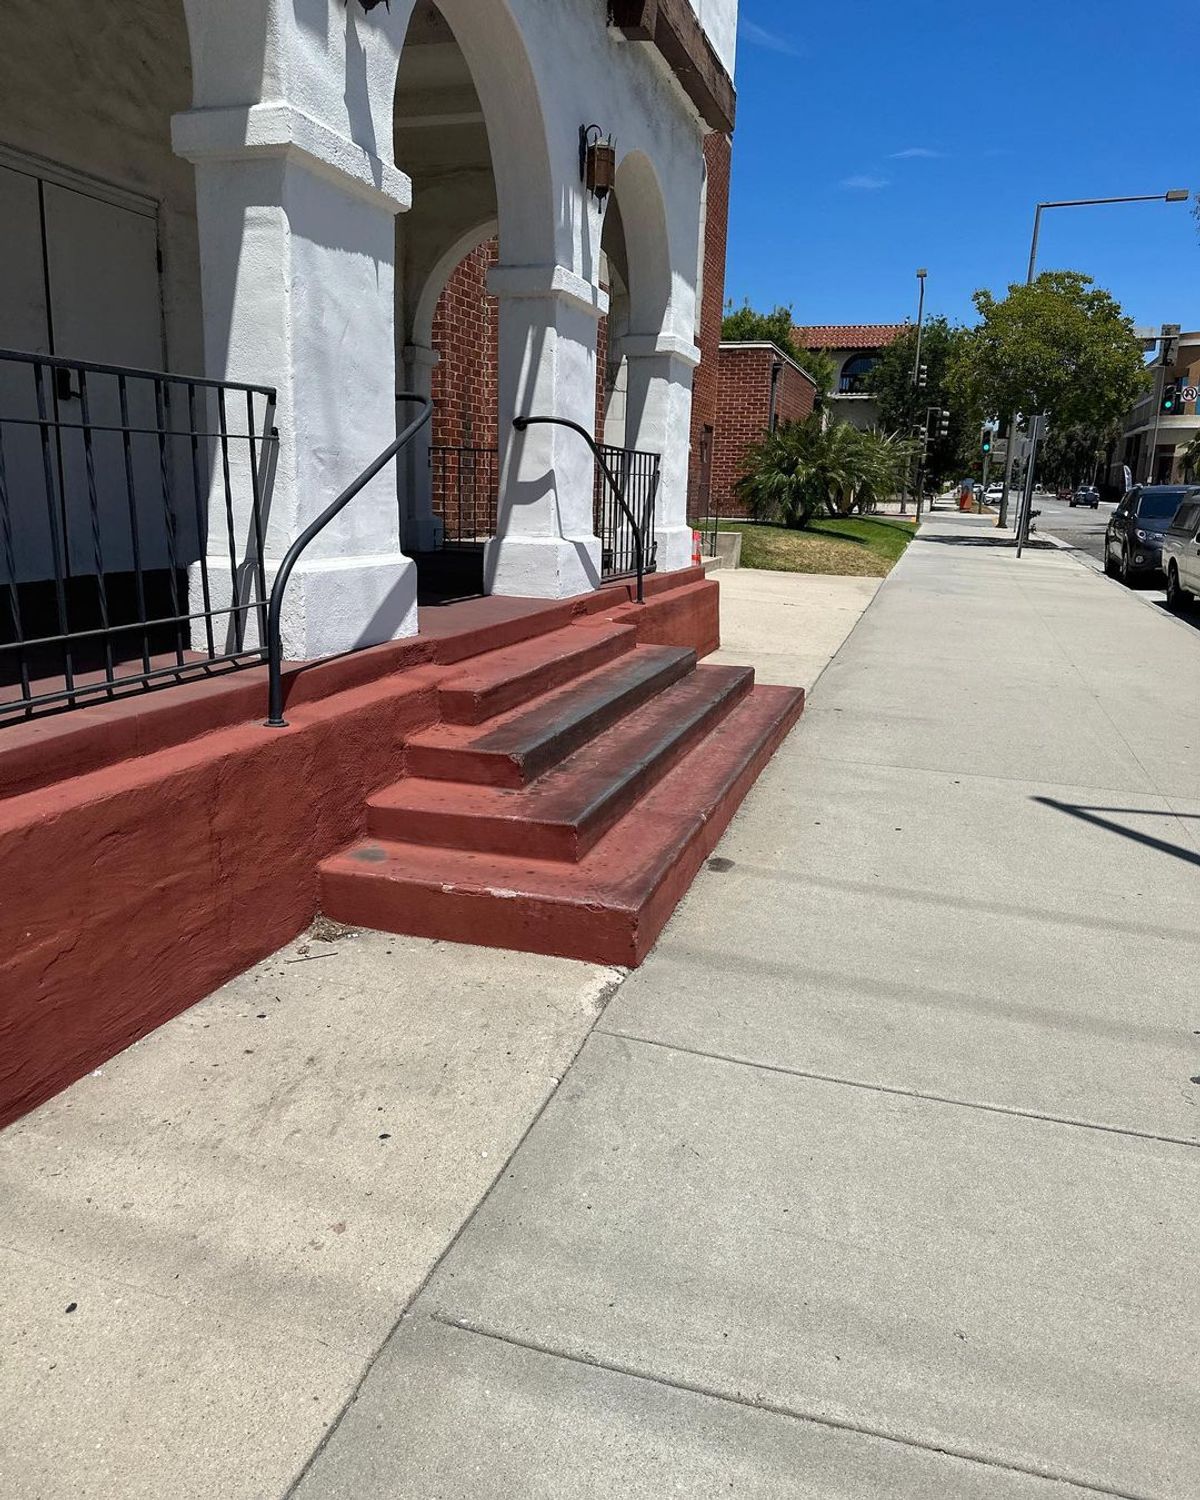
(564, 812)
(505, 679)
(513, 748)
(609, 904)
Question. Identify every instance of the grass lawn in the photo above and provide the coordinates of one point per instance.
(866, 545)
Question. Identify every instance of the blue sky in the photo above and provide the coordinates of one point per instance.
(876, 136)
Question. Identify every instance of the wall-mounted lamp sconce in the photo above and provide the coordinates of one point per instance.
(597, 161)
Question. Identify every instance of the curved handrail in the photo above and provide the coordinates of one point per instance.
(639, 551)
(275, 719)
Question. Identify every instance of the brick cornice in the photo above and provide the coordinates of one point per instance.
(674, 28)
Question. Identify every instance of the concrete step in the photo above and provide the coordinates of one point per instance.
(562, 814)
(610, 906)
(512, 749)
(505, 679)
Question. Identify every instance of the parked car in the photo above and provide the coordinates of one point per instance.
(993, 493)
(1181, 553)
(1134, 536)
(1087, 494)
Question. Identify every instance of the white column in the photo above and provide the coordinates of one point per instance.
(298, 245)
(420, 528)
(545, 544)
(658, 420)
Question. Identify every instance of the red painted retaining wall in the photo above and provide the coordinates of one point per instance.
(153, 864)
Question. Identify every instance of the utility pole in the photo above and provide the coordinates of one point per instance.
(918, 383)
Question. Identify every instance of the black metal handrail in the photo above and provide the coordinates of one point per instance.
(275, 719)
(618, 489)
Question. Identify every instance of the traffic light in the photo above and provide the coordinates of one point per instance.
(986, 440)
(922, 377)
(1170, 399)
(943, 425)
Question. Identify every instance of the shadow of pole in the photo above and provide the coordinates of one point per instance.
(1092, 815)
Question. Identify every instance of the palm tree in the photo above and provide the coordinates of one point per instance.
(780, 475)
(1191, 459)
(805, 469)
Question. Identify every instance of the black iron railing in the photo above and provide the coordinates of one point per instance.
(465, 489)
(630, 524)
(275, 719)
(625, 497)
(109, 480)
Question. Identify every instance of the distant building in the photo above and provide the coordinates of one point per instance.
(1175, 430)
(855, 349)
(760, 388)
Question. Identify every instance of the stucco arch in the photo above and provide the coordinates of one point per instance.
(425, 298)
(510, 96)
(647, 243)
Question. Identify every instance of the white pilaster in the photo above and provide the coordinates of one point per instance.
(545, 544)
(658, 420)
(297, 245)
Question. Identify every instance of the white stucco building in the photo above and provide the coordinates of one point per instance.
(275, 192)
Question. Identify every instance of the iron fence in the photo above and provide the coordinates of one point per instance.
(638, 475)
(465, 493)
(117, 486)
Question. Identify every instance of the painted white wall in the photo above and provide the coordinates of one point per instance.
(719, 19)
(93, 88)
(296, 192)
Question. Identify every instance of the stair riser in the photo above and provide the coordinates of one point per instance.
(493, 768)
(565, 928)
(531, 839)
(461, 705)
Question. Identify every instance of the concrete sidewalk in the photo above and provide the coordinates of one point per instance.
(205, 1244)
(880, 1177)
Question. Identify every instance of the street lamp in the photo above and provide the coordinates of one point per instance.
(1173, 195)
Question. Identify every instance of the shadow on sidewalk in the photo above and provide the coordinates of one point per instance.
(1091, 815)
(985, 541)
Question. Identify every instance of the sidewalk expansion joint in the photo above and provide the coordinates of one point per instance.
(794, 1414)
(604, 994)
(887, 1088)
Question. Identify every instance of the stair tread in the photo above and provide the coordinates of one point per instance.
(585, 792)
(626, 868)
(494, 671)
(526, 739)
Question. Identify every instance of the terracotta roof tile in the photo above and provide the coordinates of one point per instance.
(848, 335)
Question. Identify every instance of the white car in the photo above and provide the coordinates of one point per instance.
(993, 492)
(1181, 552)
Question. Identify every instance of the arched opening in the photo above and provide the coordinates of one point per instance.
(455, 93)
(635, 270)
(856, 373)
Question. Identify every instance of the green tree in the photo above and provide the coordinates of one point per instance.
(902, 407)
(1191, 459)
(1072, 455)
(742, 325)
(1060, 346)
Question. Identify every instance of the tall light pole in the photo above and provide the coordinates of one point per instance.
(916, 376)
(1173, 195)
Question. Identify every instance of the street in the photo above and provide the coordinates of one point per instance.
(1081, 527)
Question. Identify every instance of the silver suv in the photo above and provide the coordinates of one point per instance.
(1181, 552)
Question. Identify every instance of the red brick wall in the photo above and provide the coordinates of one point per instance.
(718, 152)
(744, 410)
(465, 334)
